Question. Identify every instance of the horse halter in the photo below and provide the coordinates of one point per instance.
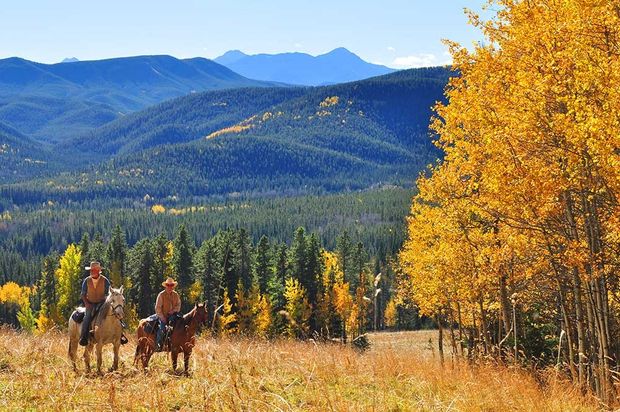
(114, 311)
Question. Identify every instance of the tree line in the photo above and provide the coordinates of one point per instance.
(267, 288)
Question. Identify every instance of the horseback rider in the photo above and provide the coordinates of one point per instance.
(167, 305)
(95, 288)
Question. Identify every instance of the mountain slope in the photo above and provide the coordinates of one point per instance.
(257, 142)
(53, 119)
(337, 66)
(128, 83)
(180, 120)
(23, 158)
(52, 102)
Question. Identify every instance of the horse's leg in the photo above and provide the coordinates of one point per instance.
(117, 345)
(99, 356)
(186, 354)
(87, 351)
(73, 352)
(175, 355)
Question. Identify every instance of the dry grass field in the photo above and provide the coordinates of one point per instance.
(399, 373)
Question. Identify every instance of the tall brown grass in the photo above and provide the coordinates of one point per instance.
(398, 373)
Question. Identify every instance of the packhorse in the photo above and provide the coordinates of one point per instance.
(181, 339)
(106, 327)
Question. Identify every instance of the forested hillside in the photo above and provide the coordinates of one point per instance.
(21, 157)
(256, 142)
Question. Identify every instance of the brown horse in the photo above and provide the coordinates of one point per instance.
(182, 338)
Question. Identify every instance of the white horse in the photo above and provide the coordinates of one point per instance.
(107, 329)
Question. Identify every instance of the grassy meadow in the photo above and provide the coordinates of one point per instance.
(401, 372)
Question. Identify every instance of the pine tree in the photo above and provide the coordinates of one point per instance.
(209, 272)
(96, 251)
(162, 262)
(345, 252)
(47, 285)
(298, 256)
(116, 258)
(182, 264)
(242, 258)
(84, 247)
(140, 267)
(263, 267)
(312, 279)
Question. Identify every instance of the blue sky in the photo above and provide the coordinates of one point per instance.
(397, 33)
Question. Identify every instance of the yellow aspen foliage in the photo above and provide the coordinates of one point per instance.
(25, 316)
(158, 209)
(227, 318)
(343, 303)
(352, 321)
(390, 314)
(263, 317)
(13, 294)
(525, 202)
(195, 292)
(245, 311)
(168, 269)
(44, 323)
(297, 307)
(69, 281)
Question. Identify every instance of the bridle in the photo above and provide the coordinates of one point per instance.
(115, 311)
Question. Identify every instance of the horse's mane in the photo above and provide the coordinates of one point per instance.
(103, 311)
(187, 318)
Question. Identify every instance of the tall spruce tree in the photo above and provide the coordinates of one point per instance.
(311, 281)
(345, 252)
(47, 284)
(242, 258)
(96, 250)
(297, 255)
(161, 264)
(208, 271)
(263, 267)
(277, 282)
(182, 264)
(140, 268)
(84, 248)
(116, 257)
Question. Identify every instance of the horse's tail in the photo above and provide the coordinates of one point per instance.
(73, 342)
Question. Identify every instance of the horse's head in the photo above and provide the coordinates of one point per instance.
(200, 313)
(117, 302)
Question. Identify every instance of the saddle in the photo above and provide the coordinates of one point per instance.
(78, 314)
(78, 317)
(152, 324)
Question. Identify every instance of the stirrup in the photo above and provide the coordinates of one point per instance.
(124, 339)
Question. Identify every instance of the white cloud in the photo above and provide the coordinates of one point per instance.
(415, 60)
(391, 49)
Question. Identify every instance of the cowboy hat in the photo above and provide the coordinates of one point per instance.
(94, 264)
(169, 282)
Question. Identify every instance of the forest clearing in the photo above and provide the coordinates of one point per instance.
(400, 372)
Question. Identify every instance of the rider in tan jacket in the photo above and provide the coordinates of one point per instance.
(167, 304)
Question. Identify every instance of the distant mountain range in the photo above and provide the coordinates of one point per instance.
(337, 66)
(256, 141)
(53, 101)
